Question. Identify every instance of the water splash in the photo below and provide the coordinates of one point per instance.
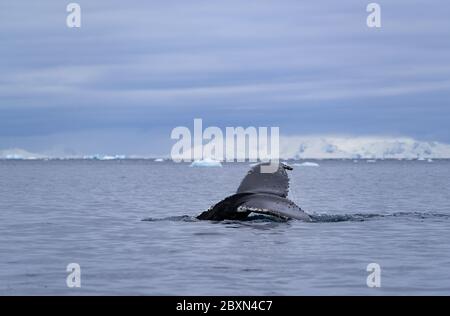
(182, 218)
(361, 217)
(316, 217)
(188, 218)
(331, 218)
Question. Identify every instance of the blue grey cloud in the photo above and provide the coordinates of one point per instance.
(138, 69)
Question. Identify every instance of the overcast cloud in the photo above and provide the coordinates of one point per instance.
(137, 69)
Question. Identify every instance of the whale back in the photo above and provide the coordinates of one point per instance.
(276, 183)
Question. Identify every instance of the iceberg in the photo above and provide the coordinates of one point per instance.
(158, 160)
(14, 156)
(104, 157)
(206, 163)
(307, 164)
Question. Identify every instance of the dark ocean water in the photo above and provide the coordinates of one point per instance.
(130, 227)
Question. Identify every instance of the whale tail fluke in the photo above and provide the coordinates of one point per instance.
(261, 193)
(276, 183)
(269, 204)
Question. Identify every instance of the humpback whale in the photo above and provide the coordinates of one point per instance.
(260, 193)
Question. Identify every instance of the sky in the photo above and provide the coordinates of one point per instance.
(137, 69)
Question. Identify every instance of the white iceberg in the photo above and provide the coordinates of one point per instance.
(206, 163)
(14, 156)
(307, 164)
(104, 157)
(159, 160)
(371, 161)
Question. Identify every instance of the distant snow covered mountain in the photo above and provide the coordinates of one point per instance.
(311, 147)
(322, 147)
(17, 153)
